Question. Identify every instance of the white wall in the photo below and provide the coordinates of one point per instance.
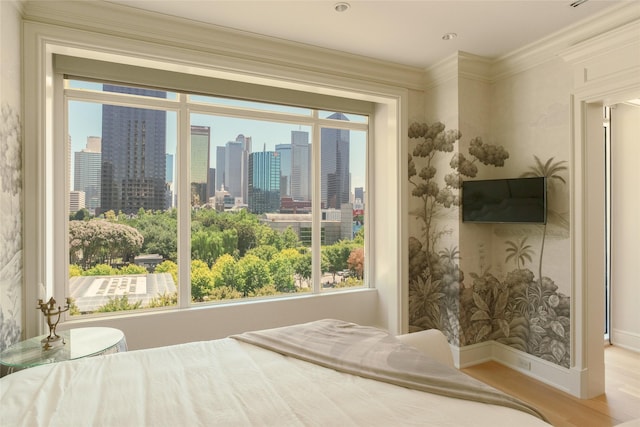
(625, 227)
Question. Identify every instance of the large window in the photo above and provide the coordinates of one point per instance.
(178, 199)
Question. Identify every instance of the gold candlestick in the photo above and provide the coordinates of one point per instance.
(50, 312)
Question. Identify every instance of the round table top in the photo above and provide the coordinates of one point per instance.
(79, 342)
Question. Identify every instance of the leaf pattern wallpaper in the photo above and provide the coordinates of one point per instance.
(515, 304)
(11, 179)
(10, 226)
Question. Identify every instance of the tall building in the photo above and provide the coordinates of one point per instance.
(284, 150)
(86, 175)
(300, 165)
(233, 168)
(94, 144)
(200, 148)
(264, 182)
(170, 196)
(246, 151)
(220, 162)
(334, 165)
(76, 201)
(211, 185)
(133, 174)
(359, 194)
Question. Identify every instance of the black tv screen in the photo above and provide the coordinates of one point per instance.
(517, 200)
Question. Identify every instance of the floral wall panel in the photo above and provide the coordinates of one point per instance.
(505, 282)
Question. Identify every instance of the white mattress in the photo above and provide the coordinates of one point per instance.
(229, 383)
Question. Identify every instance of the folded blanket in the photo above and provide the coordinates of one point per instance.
(373, 353)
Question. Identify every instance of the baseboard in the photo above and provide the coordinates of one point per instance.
(567, 380)
(470, 355)
(625, 339)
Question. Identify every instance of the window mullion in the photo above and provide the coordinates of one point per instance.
(184, 206)
(316, 208)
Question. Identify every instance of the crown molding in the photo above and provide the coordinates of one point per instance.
(460, 64)
(623, 37)
(127, 22)
(552, 46)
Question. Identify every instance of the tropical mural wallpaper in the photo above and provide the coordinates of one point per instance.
(10, 226)
(514, 303)
(10, 175)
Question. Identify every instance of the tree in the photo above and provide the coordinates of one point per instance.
(119, 304)
(264, 252)
(168, 267)
(254, 274)
(100, 241)
(335, 257)
(81, 215)
(282, 271)
(202, 280)
(356, 262)
(159, 230)
(225, 272)
(206, 246)
(133, 269)
(290, 239)
(302, 266)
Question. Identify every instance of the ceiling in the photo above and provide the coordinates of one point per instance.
(404, 32)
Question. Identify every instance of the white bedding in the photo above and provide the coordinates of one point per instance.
(229, 383)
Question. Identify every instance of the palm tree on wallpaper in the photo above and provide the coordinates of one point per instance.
(550, 170)
(519, 252)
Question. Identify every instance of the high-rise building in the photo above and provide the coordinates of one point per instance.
(264, 182)
(285, 169)
(170, 196)
(86, 175)
(359, 194)
(94, 144)
(76, 201)
(200, 147)
(300, 165)
(211, 185)
(233, 168)
(220, 162)
(246, 151)
(133, 174)
(334, 165)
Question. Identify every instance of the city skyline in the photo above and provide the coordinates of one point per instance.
(85, 121)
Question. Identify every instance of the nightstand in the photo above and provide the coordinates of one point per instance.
(80, 342)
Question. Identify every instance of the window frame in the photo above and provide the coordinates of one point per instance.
(388, 88)
(185, 107)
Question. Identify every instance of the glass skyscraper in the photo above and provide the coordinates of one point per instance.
(264, 182)
(86, 175)
(334, 165)
(133, 173)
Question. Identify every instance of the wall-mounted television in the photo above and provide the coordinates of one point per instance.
(516, 200)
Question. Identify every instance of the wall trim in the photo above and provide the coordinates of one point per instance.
(625, 339)
(123, 21)
(541, 51)
(567, 380)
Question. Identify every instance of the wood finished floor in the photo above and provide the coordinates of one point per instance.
(620, 403)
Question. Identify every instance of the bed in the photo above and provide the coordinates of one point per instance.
(322, 373)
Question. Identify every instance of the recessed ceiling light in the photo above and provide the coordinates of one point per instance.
(341, 7)
(449, 36)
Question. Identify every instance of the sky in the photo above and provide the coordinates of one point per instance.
(85, 120)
